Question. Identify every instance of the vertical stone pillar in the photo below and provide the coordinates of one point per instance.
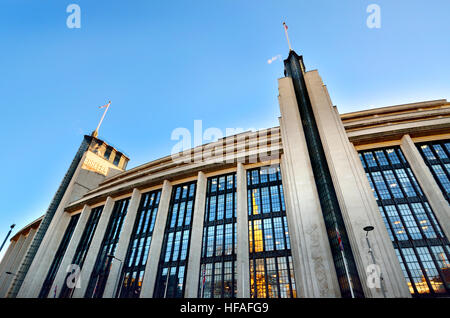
(195, 247)
(151, 268)
(427, 182)
(242, 253)
(315, 275)
(70, 252)
(122, 245)
(357, 203)
(94, 249)
(44, 257)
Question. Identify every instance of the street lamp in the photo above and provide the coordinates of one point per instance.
(368, 229)
(9, 273)
(7, 235)
(119, 274)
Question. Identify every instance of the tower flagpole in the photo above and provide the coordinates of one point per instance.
(95, 133)
(347, 272)
(287, 35)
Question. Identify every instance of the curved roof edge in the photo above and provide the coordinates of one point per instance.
(394, 108)
(24, 231)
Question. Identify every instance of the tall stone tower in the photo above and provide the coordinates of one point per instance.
(328, 196)
(93, 162)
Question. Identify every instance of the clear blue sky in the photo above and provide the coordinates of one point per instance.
(164, 64)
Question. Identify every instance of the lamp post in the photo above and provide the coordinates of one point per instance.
(118, 276)
(368, 229)
(7, 235)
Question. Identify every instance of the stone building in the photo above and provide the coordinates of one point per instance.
(325, 205)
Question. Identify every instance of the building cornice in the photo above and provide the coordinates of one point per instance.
(26, 229)
(363, 127)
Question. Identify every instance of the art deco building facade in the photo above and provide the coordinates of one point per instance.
(279, 212)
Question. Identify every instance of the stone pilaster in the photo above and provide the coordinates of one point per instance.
(242, 253)
(94, 248)
(151, 268)
(430, 188)
(195, 247)
(122, 245)
(70, 252)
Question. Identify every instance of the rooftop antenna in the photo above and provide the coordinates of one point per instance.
(95, 132)
(287, 35)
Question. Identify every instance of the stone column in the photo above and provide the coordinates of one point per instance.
(315, 275)
(242, 253)
(195, 247)
(94, 248)
(70, 252)
(122, 245)
(151, 268)
(430, 188)
(356, 200)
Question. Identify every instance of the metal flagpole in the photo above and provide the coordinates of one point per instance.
(95, 133)
(341, 247)
(348, 275)
(287, 36)
(167, 282)
(96, 283)
(203, 278)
